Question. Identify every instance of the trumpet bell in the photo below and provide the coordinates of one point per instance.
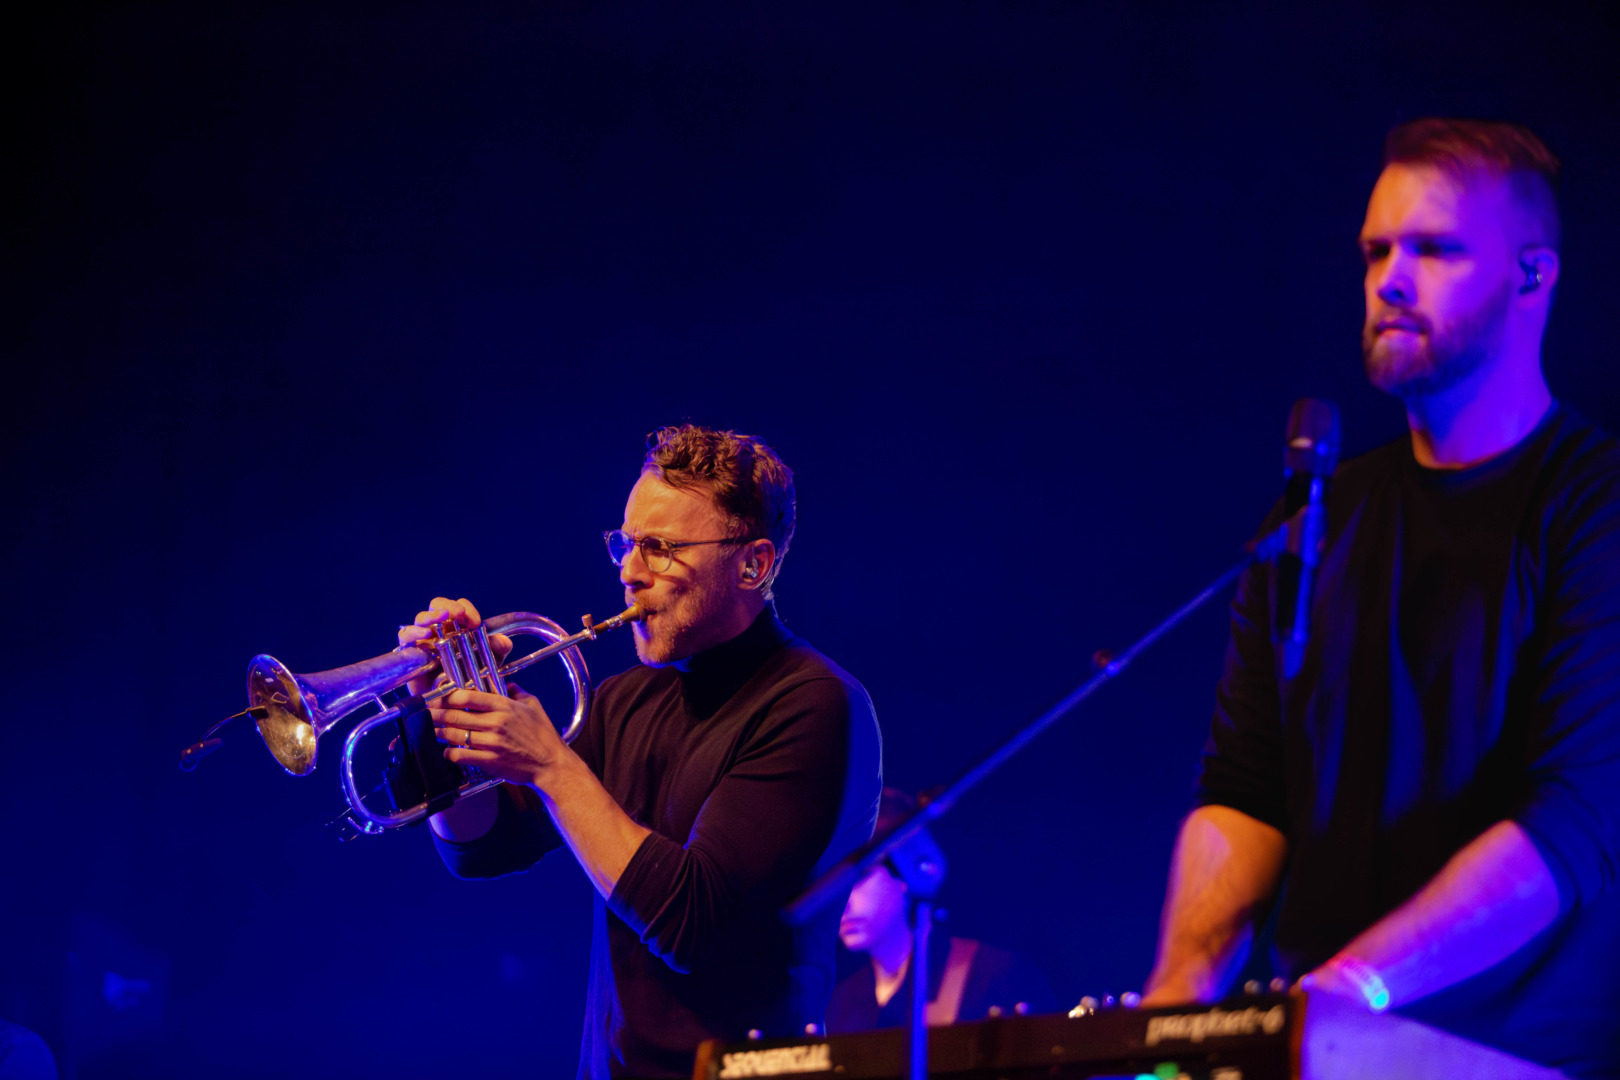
(299, 709)
(286, 729)
(292, 711)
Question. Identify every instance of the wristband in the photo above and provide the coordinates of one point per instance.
(1366, 979)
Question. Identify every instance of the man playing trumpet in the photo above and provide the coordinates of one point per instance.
(708, 785)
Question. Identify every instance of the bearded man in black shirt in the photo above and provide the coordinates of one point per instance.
(707, 787)
(1439, 786)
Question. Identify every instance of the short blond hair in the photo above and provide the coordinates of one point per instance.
(1463, 148)
(749, 483)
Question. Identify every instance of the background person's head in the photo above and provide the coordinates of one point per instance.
(879, 907)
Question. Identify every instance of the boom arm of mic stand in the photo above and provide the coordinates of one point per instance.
(843, 876)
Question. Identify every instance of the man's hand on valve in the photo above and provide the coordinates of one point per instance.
(449, 615)
(510, 738)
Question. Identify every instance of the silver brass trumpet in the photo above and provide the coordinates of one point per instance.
(294, 711)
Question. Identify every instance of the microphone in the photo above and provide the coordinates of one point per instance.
(1309, 457)
(197, 751)
(209, 743)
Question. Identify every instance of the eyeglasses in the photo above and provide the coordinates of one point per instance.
(656, 552)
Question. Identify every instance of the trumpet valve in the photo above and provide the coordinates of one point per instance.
(590, 628)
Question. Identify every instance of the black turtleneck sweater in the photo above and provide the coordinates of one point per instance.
(757, 766)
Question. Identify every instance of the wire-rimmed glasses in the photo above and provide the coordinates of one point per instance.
(656, 552)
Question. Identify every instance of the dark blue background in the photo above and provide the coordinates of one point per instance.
(317, 313)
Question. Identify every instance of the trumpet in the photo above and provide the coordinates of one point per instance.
(292, 712)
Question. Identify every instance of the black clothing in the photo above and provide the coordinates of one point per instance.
(756, 765)
(1463, 668)
(997, 979)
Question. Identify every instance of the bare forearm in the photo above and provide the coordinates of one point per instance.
(1225, 869)
(1486, 903)
(599, 833)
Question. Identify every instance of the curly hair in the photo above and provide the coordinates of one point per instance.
(749, 484)
(1461, 148)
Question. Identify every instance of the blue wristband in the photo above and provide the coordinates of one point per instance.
(1366, 979)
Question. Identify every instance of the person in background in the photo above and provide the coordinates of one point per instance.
(1436, 793)
(968, 979)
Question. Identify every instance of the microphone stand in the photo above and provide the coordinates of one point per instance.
(1294, 535)
(922, 928)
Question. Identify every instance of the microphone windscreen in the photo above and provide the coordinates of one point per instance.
(1313, 438)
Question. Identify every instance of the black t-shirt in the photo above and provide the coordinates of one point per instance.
(757, 766)
(997, 978)
(1463, 668)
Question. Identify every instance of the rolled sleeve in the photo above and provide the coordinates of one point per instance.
(521, 836)
(1243, 759)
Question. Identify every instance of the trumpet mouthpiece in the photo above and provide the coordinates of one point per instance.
(629, 614)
